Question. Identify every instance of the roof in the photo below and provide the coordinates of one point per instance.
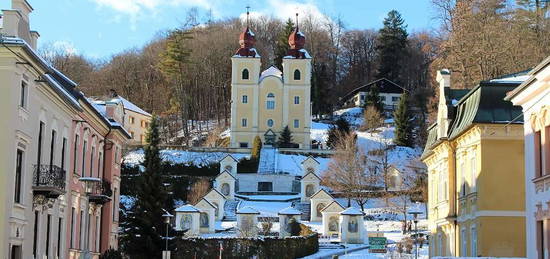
(271, 71)
(229, 155)
(335, 203)
(187, 208)
(247, 210)
(529, 80)
(207, 202)
(485, 104)
(384, 86)
(308, 158)
(226, 172)
(312, 174)
(319, 191)
(352, 211)
(290, 211)
(216, 191)
(125, 103)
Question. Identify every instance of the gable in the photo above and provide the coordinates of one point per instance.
(321, 194)
(333, 207)
(214, 194)
(311, 177)
(229, 158)
(204, 204)
(225, 176)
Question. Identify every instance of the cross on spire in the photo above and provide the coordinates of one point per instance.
(296, 20)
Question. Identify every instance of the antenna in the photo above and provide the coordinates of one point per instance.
(247, 14)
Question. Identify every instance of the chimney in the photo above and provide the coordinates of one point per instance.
(16, 22)
(443, 77)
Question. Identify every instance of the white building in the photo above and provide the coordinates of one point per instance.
(388, 91)
(533, 96)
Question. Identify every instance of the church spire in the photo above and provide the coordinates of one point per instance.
(247, 40)
(297, 40)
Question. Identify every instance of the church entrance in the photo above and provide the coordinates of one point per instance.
(269, 138)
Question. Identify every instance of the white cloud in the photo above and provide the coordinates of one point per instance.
(65, 46)
(135, 7)
(284, 10)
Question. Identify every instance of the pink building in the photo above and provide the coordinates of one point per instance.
(92, 225)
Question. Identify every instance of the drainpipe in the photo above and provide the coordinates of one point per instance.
(455, 210)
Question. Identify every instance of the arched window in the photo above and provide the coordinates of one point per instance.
(225, 189)
(270, 104)
(204, 220)
(270, 123)
(297, 74)
(245, 74)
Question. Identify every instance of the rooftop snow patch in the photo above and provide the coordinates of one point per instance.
(290, 211)
(187, 208)
(352, 211)
(271, 71)
(247, 210)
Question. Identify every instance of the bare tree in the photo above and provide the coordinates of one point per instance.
(198, 190)
(372, 119)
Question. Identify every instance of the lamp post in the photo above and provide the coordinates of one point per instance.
(167, 217)
(415, 220)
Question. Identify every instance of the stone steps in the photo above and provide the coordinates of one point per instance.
(230, 209)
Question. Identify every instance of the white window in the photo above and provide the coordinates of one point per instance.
(270, 104)
(23, 97)
(245, 98)
(395, 98)
(296, 123)
(463, 183)
(270, 123)
(464, 243)
(296, 99)
(473, 240)
(244, 122)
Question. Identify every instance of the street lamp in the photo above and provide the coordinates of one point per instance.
(167, 218)
(415, 220)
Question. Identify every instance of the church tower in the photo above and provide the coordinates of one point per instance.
(262, 104)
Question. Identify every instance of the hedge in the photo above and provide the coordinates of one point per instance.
(244, 248)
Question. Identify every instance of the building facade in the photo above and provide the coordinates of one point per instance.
(533, 96)
(474, 156)
(262, 104)
(43, 110)
(388, 92)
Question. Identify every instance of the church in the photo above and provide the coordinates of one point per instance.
(264, 102)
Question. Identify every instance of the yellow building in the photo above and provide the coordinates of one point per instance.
(262, 104)
(474, 155)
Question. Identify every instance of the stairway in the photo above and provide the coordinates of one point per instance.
(268, 160)
(305, 208)
(230, 209)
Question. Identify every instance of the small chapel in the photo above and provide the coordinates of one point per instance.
(264, 102)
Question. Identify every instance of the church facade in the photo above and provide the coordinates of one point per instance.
(263, 103)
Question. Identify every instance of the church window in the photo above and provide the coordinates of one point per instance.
(245, 98)
(245, 74)
(296, 123)
(270, 123)
(244, 122)
(297, 74)
(204, 220)
(296, 99)
(225, 189)
(270, 104)
(243, 144)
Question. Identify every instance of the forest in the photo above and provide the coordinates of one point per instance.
(183, 75)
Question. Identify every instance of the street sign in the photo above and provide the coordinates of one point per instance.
(377, 244)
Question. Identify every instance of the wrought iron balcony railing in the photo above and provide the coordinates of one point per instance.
(101, 192)
(48, 180)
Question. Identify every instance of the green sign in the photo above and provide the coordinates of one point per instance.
(377, 244)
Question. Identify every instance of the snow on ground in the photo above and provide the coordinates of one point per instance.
(353, 115)
(198, 159)
(319, 131)
(266, 209)
(270, 197)
(293, 163)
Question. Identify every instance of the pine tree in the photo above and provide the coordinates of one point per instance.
(403, 124)
(391, 48)
(145, 227)
(340, 128)
(285, 139)
(373, 99)
(282, 44)
(256, 148)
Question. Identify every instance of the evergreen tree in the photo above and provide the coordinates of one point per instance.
(145, 227)
(256, 148)
(403, 124)
(373, 99)
(391, 48)
(282, 44)
(285, 139)
(340, 128)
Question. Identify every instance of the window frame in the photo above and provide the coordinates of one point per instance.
(244, 99)
(19, 161)
(296, 123)
(245, 74)
(297, 75)
(296, 99)
(244, 122)
(23, 98)
(270, 123)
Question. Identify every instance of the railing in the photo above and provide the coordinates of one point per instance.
(48, 180)
(101, 192)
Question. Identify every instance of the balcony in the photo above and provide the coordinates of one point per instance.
(99, 191)
(49, 181)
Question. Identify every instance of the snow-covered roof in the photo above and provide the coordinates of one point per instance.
(131, 106)
(290, 211)
(271, 71)
(306, 54)
(187, 208)
(247, 210)
(512, 78)
(351, 211)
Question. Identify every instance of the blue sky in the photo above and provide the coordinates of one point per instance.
(101, 28)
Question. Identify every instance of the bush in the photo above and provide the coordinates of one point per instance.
(244, 248)
(111, 254)
(372, 119)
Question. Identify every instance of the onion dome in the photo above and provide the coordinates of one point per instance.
(247, 41)
(297, 39)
